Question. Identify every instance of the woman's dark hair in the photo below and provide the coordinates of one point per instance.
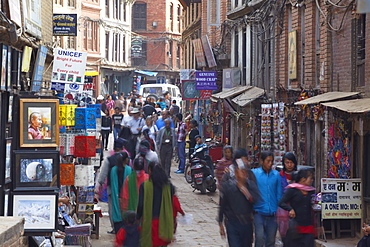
(139, 163)
(304, 173)
(146, 132)
(158, 176)
(266, 154)
(120, 159)
(194, 122)
(290, 156)
(240, 152)
(179, 116)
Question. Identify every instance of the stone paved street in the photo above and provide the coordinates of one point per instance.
(204, 229)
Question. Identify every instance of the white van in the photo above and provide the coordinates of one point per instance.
(157, 90)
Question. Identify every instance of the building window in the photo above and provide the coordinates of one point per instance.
(107, 45)
(170, 63)
(317, 47)
(124, 11)
(123, 50)
(71, 42)
(214, 12)
(59, 2)
(171, 17)
(139, 16)
(91, 36)
(72, 3)
(178, 54)
(107, 8)
(178, 19)
(236, 48)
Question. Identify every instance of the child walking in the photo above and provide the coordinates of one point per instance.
(129, 234)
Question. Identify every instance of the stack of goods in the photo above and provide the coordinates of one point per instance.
(266, 127)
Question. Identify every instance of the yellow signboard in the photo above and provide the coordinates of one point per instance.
(292, 58)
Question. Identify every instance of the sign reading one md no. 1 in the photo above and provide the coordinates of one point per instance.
(341, 198)
(206, 80)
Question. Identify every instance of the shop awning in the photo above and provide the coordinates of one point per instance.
(230, 92)
(351, 106)
(148, 73)
(248, 96)
(326, 97)
(91, 73)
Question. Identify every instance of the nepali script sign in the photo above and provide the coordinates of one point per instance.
(341, 198)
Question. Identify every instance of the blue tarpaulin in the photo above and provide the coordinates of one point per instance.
(148, 73)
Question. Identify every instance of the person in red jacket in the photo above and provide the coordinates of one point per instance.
(129, 234)
(176, 207)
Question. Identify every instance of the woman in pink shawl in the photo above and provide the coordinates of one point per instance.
(225, 162)
(109, 103)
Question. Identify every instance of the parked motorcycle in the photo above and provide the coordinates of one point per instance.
(199, 171)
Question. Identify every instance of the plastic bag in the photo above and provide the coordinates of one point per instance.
(187, 219)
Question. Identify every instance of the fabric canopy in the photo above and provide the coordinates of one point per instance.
(230, 92)
(248, 96)
(326, 97)
(351, 106)
(148, 73)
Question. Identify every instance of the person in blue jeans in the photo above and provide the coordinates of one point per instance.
(117, 120)
(238, 194)
(181, 136)
(269, 184)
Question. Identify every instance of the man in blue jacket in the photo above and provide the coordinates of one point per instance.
(269, 184)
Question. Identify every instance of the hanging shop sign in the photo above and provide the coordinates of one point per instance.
(206, 80)
(69, 69)
(292, 46)
(136, 47)
(199, 54)
(32, 17)
(65, 25)
(39, 69)
(187, 74)
(341, 198)
(189, 91)
(15, 11)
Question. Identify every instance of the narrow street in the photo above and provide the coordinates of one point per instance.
(203, 231)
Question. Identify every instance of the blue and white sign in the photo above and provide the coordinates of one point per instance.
(39, 68)
(206, 80)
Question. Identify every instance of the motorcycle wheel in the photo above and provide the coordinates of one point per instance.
(212, 187)
(187, 173)
(203, 188)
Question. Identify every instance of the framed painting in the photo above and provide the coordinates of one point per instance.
(8, 160)
(4, 55)
(10, 109)
(39, 210)
(39, 119)
(36, 170)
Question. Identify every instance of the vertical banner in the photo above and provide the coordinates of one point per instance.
(39, 68)
(68, 70)
(199, 54)
(341, 198)
(292, 49)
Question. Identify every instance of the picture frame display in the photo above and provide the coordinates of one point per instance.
(4, 55)
(36, 170)
(38, 208)
(39, 122)
(10, 109)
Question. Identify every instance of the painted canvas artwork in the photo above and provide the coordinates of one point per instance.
(36, 170)
(34, 212)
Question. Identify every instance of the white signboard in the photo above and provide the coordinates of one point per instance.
(32, 17)
(69, 69)
(341, 198)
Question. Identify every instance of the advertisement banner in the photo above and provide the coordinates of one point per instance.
(341, 198)
(206, 80)
(39, 68)
(189, 91)
(69, 68)
(65, 25)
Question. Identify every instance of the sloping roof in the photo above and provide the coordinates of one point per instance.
(248, 96)
(326, 97)
(351, 106)
(230, 92)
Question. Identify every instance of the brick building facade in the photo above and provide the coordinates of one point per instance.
(157, 27)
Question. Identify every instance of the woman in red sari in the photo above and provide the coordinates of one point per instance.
(225, 162)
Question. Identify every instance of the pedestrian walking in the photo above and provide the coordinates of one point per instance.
(289, 167)
(166, 142)
(298, 195)
(160, 122)
(153, 130)
(104, 172)
(148, 109)
(224, 163)
(136, 125)
(130, 193)
(181, 136)
(129, 234)
(269, 184)
(117, 120)
(147, 154)
(155, 209)
(192, 134)
(106, 129)
(176, 207)
(109, 103)
(237, 196)
(116, 180)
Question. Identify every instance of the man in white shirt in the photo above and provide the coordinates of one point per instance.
(136, 124)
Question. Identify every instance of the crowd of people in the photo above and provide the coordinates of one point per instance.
(254, 203)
